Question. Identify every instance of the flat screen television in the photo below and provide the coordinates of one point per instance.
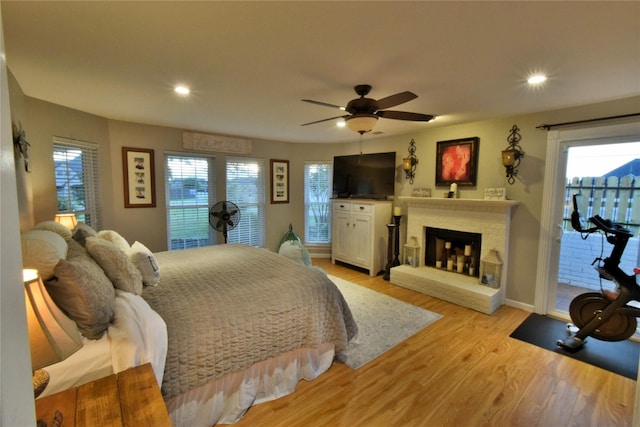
(364, 176)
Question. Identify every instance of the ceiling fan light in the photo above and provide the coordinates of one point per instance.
(362, 123)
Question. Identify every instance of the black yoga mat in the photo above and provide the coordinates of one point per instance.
(620, 357)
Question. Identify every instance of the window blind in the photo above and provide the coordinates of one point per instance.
(246, 188)
(77, 179)
(190, 191)
(317, 201)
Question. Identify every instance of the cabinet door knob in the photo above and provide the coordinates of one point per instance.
(361, 208)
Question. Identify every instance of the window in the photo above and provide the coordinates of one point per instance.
(190, 191)
(246, 188)
(76, 172)
(317, 206)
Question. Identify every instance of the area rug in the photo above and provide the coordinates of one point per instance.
(620, 357)
(383, 322)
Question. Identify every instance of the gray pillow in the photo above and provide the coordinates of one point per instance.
(116, 265)
(82, 231)
(84, 293)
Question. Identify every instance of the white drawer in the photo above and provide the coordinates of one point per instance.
(361, 208)
(342, 206)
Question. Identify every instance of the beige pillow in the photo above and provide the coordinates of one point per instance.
(42, 249)
(115, 238)
(84, 293)
(82, 231)
(116, 265)
(146, 263)
(56, 227)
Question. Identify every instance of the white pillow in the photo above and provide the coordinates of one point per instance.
(42, 249)
(56, 227)
(116, 265)
(115, 238)
(146, 263)
(295, 251)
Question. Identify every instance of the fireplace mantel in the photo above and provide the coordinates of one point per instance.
(475, 204)
(489, 218)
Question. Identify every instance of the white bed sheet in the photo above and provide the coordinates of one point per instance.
(91, 362)
(137, 336)
(227, 399)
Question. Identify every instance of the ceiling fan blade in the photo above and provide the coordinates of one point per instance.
(404, 115)
(393, 100)
(324, 104)
(325, 120)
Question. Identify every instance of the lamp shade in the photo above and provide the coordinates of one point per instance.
(407, 163)
(67, 219)
(362, 123)
(509, 157)
(52, 335)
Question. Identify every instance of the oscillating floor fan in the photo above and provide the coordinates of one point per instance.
(224, 216)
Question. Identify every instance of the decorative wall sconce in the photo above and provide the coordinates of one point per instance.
(512, 154)
(409, 163)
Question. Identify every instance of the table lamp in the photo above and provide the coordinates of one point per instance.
(52, 335)
(67, 219)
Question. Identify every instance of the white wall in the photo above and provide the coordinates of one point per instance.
(16, 393)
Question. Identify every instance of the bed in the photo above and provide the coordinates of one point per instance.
(224, 327)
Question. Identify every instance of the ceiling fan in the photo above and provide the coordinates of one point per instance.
(365, 112)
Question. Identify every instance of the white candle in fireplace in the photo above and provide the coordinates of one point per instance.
(467, 250)
(447, 245)
(397, 211)
(453, 188)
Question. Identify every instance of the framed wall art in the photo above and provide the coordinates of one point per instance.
(139, 178)
(279, 181)
(457, 161)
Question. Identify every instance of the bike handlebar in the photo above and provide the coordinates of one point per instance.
(608, 226)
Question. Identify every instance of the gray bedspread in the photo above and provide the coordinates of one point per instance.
(229, 306)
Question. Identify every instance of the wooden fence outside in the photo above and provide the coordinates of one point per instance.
(611, 198)
(617, 199)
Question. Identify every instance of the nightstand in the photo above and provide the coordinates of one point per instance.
(129, 398)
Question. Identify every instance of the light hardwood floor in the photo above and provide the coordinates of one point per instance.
(463, 370)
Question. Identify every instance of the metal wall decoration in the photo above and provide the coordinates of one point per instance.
(21, 144)
(512, 154)
(409, 163)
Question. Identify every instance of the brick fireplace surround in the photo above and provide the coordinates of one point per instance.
(490, 218)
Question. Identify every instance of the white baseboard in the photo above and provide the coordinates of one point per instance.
(520, 305)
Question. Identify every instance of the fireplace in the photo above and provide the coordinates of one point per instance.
(453, 250)
(484, 226)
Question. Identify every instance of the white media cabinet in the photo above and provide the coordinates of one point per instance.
(359, 234)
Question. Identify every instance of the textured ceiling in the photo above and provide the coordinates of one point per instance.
(250, 63)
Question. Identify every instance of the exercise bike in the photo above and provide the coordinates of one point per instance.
(604, 315)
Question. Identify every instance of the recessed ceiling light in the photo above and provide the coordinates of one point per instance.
(341, 123)
(182, 90)
(536, 79)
